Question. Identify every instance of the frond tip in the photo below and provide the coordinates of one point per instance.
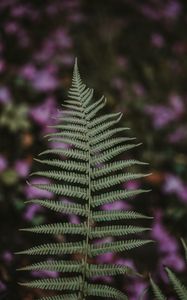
(84, 174)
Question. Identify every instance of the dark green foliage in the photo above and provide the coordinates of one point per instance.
(89, 178)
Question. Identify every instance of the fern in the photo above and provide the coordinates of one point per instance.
(90, 178)
(179, 288)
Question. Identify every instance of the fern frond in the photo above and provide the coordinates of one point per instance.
(109, 270)
(65, 176)
(70, 127)
(57, 265)
(63, 190)
(65, 164)
(66, 208)
(101, 119)
(116, 230)
(106, 135)
(107, 155)
(93, 112)
(72, 113)
(101, 216)
(94, 105)
(78, 144)
(58, 228)
(116, 195)
(180, 289)
(100, 290)
(76, 154)
(110, 143)
(61, 297)
(106, 125)
(56, 249)
(117, 246)
(77, 136)
(84, 173)
(115, 166)
(73, 120)
(156, 290)
(55, 284)
(109, 181)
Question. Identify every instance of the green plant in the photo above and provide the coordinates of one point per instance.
(179, 288)
(85, 177)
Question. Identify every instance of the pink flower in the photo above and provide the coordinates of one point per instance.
(5, 95)
(33, 192)
(3, 163)
(157, 40)
(22, 168)
(174, 185)
(44, 112)
(30, 211)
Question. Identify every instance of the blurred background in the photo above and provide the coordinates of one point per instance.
(135, 52)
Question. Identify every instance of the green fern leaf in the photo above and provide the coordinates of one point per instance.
(102, 119)
(109, 181)
(65, 208)
(65, 190)
(101, 216)
(62, 297)
(55, 249)
(58, 265)
(65, 164)
(115, 166)
(55, 284)
(100, 290)
(118, 246)
(157, 292)
(109, 270)
(65, 176)
(115, 230)
(180, 289)
(111, 153)
(83, 172)
(110, 197)
(58, 228)
(110, 143)
(76, 154)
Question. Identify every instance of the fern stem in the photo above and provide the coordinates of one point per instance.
(83, 293)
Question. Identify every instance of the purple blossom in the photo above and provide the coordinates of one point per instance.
(5, 95)
(117, 205)
(7, 256)
(33, 192)
(136, 288)
(162, 115)
(157, 40)
(172, 9)
(74, 219)
(22, 168)
(105, 258)
(138, 89)
(2, 66)
(44, 112)
(3, 163)
(174, 185)
(132, 185)
(178, 135)
(45, 274)
(45, 80)
(31, 211)
(2, 287)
